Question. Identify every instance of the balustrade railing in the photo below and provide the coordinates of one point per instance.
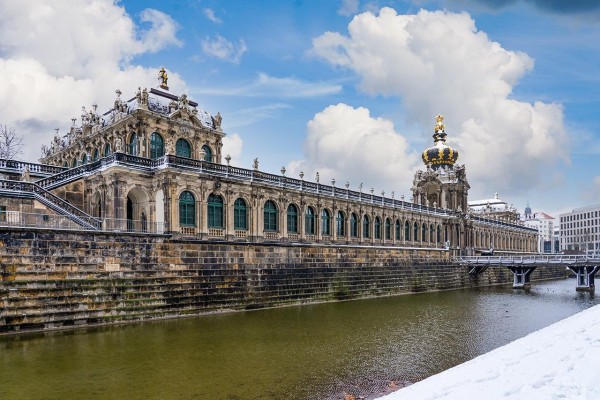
(67, 175)
(42, 220)
(129, 225)
(21, 166)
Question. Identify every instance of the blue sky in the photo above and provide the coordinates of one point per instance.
(347, 88)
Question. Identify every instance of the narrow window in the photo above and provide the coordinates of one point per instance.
(207, 153)
(187, 209)
(292, 219)
(240, 220)
(353, 225)
(107, 150)
(215, 211)
(96, 155)
(340, 224)
(310, 221)
(157, 146)
(377, 228)
(270, 216)
(325, 223)
(366, 226)
(133, 145)
(398, 229)
(388, 229)
(183, 148)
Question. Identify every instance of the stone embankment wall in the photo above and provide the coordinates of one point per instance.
(61, 279)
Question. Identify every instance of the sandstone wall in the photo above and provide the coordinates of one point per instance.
(60, 279)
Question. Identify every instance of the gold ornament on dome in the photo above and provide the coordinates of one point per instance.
(439, 126)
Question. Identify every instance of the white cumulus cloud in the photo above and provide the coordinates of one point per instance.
(438, 62)
(347, 143)
(223, 49)
(210, 14)
(57, 55)
(232, 145)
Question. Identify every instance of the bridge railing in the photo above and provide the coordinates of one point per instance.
(565, 259)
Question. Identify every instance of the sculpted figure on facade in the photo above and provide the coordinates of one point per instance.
(119, 145)
(217, 121)
(144, 97)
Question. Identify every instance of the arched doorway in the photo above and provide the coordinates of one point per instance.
(137, 209)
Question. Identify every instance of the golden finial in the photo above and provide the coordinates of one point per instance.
(162, 76)
(439, 126)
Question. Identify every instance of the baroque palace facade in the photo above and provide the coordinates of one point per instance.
(153, 163)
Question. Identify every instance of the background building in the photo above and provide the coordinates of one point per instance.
(545, 226)
(579, 230)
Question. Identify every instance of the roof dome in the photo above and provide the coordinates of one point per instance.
(440, 154)
(527, 210)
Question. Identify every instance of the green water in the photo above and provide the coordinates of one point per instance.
(308, 352)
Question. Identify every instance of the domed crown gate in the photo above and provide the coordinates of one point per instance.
(440, 154)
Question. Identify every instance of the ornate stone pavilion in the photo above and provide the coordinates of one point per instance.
(153, 164)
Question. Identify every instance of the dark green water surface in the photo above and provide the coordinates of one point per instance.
(308, 352)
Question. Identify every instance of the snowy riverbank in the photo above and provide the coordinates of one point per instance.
(561, 361)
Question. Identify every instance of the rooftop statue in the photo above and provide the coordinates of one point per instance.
(163, 78)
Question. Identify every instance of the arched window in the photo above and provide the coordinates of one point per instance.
(107, 150)
(439, 234)
(309, 221)
(74, 164)
(157, 145)
(96, 155)
(187, 209)
(366, 226)
(406, 231)
(431, 237)
(292, 219)
(398, 229)
(270, 216)
(84, 159)
(340, 224)
(415, 232)
(66, 164)
(325, 223)
(215, 211)
(207, 153)
(133, 144)
(377, 228)
(183, 148)
(423, 232)
(353, 225)
(388, 229)
(240, 219)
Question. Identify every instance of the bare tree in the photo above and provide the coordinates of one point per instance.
(11, 144)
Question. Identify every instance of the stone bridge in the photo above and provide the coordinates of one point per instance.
(584, 267)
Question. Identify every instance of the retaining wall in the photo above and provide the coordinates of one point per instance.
(57, 279)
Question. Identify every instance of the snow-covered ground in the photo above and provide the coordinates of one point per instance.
(561, 361)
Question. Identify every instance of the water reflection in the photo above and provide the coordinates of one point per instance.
(308, 352)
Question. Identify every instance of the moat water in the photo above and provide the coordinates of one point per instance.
(309, 352)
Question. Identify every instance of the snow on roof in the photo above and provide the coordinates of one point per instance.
(559, 361)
